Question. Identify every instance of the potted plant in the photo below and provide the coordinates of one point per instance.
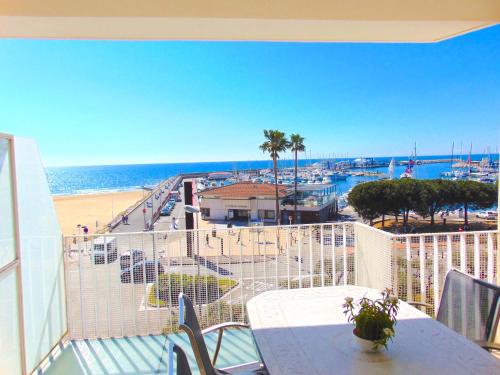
(373, 320)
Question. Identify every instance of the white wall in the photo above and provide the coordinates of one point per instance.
(216, 206)
(219, 207)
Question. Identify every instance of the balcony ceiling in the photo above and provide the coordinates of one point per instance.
(262, 20)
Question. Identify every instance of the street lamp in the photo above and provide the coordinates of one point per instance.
(191, 209)
(195, 210)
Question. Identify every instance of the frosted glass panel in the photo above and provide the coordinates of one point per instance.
(7, 249)
(41, 256)
(10, 361)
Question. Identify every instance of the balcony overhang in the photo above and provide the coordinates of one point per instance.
(257, 20)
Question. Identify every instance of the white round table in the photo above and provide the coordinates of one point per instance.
(304, 331)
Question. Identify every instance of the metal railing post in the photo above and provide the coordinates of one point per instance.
(344, 252)
(409, 271)
(463, 258)
(491, 259)
(423, 291)
(435, 271)
(476, 256)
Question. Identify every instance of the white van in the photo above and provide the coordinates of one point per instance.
(102, 246)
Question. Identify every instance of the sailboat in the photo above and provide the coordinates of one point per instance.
(390, 170)
(409, 171)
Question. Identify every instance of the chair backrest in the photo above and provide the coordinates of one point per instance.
(189, 324)
(469, 306)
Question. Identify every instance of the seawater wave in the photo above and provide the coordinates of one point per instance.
(116, 178)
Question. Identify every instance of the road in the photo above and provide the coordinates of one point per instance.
(141, 217)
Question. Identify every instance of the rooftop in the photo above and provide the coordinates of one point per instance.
(245, 190)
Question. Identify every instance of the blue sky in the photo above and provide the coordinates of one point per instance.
(102, 102)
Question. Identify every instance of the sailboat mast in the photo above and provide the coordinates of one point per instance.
(415, 161)
(470, 160)
(452, 150)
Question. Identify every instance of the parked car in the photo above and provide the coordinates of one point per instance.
(103, 246)
(149, 268)
(165, 211)
(490, 215)
(339, 240)
(131, 257)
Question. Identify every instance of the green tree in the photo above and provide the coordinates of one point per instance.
(434, 196)
(363, 198)
(407, 195)
(391, 198)
(474, 195)
(296, 145)
(275, 143)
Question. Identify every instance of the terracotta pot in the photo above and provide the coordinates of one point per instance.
(366, 346)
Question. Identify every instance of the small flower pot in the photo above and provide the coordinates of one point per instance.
(366, 346)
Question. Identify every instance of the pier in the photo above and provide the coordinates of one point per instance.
(431, 161)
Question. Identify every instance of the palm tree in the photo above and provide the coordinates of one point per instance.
(296, 145)
(275, 143)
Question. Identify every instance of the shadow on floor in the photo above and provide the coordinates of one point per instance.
(143, 355)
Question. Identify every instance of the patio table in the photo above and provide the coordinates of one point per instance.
(304, 331)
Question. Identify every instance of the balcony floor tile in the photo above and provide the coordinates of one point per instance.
(141, 354)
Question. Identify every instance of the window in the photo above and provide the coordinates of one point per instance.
(266, 214)
(205, 212)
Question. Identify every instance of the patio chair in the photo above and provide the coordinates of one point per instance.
(470, 307)
(189, 324)
(182, 364)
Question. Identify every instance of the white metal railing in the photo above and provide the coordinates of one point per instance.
(420, 261)
(220, 271)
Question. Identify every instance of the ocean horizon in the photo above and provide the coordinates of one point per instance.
(127, 177)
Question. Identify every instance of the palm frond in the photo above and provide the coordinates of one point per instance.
(297, 142)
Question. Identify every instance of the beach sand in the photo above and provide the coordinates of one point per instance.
(87, 209)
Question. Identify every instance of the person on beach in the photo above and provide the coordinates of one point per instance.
(207, 239)
(239, 237)
(123, 220)
(126, 219)
(85, 232)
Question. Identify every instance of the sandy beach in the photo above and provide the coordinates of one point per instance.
(92, 209)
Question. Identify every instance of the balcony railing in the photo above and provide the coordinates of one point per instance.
(110, 293)
(311, 201)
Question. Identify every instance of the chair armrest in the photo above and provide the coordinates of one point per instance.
(256, 368)
(224, 326)
(488, 345)
(221, 328)
(419, 304)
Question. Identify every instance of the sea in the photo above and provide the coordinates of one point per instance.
(115, 178)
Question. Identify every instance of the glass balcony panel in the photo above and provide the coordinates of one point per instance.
(7, 246)
(10, 362)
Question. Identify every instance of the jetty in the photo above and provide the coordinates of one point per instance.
(430, 161)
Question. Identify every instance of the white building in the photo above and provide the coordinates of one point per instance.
(241, 201)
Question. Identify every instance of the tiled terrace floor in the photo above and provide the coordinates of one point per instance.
(142, 354)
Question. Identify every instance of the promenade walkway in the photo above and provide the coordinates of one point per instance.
(142, 216)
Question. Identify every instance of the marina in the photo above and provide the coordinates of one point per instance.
(338, 176)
